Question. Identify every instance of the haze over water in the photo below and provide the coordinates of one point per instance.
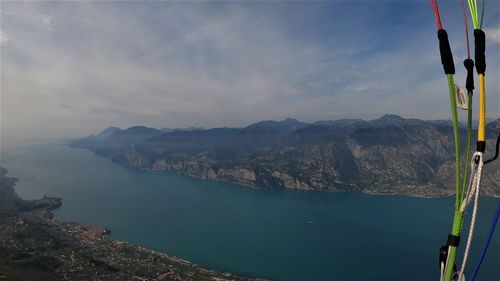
(275, 234)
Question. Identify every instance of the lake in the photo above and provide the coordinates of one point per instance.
(274, 234)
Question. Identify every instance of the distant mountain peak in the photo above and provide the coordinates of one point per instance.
(109, 129)
(388, 120)
(493, 127)
(495, 122)
(285, 126)
(106, 133)
(388, 116)
(140, 130)
(188, 129)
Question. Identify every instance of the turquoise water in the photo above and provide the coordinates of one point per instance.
(275, 234)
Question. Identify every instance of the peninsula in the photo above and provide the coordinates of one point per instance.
(35, 246)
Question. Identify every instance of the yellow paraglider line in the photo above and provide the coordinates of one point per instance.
(481, 135)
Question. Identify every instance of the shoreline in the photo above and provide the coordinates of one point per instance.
(381, 192)
(36, 246)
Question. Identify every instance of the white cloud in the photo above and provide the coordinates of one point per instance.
(71, 69)
(493, 34)
(47, 21)
(4, 39)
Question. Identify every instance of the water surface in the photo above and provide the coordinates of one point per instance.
(276, 234)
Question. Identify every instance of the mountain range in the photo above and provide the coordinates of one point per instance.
(388, 155)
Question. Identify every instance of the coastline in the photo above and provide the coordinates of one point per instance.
(35, 246)
(246, 177)
(388, 191)
(116, 178)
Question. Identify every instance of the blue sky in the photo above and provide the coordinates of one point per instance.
(71, 69)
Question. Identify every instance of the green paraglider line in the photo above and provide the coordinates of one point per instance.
(482, 15)
(467, 146)
(458, 216)
(470, 89)
(473, 13)
(452, 254)
(449, 69)
(454, 117)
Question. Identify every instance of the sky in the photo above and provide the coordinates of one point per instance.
(70, 69)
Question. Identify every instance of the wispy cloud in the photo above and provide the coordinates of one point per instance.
(71, 68)
(4, 39)
(493, 34)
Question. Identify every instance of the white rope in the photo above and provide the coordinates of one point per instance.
(473, 190)
(442, 272)
(472, 178)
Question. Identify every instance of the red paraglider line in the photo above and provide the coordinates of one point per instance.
(466, 29)
(435, 9)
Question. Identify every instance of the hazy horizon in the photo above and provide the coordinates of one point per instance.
(10, 142)
(72, 69)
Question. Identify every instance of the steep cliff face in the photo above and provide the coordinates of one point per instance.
(400, 158)
(134, 158)
(199, 168)
(415, 158)
(413, 169)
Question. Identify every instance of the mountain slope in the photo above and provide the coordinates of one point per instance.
(386, 155)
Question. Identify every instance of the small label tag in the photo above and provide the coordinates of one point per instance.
(461, 97)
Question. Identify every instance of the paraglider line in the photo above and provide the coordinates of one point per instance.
(486, 243)
(466, 29)
(435, 9)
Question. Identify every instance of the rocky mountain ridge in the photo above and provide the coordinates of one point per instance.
(389, 155)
